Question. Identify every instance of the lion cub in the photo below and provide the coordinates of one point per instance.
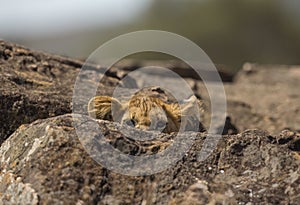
(148, 112)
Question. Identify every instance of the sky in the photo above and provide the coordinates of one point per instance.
(77, 27)
(41, 18)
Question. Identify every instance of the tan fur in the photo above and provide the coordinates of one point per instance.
(145, 112)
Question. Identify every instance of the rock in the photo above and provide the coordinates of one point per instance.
(177, 66)
(199, 193)
(13, 191)
(36, 85)
(51, 164)
(45, 160)
(262, 97)
(272, 91)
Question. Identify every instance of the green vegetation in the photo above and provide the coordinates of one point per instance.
(231, 32)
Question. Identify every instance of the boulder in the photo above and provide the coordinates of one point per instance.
(46, 162)
(49, 155)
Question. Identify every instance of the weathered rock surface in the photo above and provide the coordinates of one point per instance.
(272, 91)
(42, 160)
(262, 97)
(46, 159)
(35, 85)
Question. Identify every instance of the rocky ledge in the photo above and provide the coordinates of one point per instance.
(43, 161)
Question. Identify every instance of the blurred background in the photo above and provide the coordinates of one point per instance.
(231, 32)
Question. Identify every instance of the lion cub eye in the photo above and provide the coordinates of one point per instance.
(160, 124)
(130, 122)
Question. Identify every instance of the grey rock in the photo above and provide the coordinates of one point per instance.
(45, 160)
(36, 85)
(14, 191)
(272, 91)
(53, 164)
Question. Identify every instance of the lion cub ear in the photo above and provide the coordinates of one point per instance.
(191, 111)
(100, 107)
(192, 105)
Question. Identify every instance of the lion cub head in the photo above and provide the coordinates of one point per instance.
(145, 112)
